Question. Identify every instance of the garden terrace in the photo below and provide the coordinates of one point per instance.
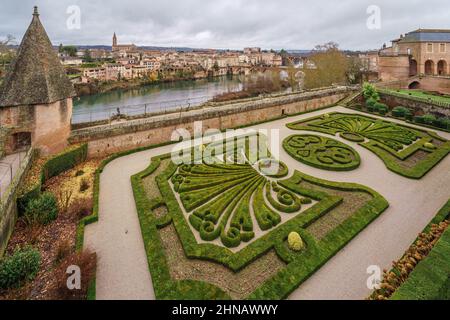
(232, 220)
(148, 248)
(405, 150)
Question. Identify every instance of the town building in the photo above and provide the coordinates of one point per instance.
(71, 61)
(420, 52)
(36, 96)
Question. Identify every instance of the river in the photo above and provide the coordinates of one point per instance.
(152, 98)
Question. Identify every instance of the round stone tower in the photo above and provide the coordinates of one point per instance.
(36, 96)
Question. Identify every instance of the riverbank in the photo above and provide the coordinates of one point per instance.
(99, 87)
(133, 98)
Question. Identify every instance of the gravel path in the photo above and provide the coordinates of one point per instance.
(122, 263)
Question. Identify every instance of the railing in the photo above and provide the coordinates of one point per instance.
(418, 99)
(169, 106)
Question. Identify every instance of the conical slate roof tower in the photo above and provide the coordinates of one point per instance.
(36, 76)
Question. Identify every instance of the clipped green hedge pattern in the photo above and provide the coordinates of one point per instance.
(393, 143)
(322, 152)
(300, 265)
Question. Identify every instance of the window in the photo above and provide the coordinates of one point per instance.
(430, 48)
(442, 47)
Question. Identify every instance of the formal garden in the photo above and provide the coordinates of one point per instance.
(240, 224)
(232, 221)
(238, 231)
(407, 151)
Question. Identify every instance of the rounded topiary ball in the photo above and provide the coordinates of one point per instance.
(295, 242)
(429, 145)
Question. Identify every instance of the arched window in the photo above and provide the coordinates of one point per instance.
(413, 67)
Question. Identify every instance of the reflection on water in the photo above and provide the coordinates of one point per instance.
(152, 98)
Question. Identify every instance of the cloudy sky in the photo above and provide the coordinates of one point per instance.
(234, 24)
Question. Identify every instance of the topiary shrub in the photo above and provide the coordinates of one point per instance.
(295, 242)
(442, 123)
(428, 119)
(43, 209)
(370, 103)
(409, 115)
(429, 145)
(380, 108)
(20, 267)
(370, 92)
(383, 110)
(399, 111)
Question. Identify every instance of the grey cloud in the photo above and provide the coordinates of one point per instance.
(234, 24)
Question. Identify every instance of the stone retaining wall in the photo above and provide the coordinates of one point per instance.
(125, 135)
(8, 202)
(418, 106)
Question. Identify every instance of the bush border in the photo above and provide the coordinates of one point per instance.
(316, 164)
(430, 278)
(417, 172)
(283, 283)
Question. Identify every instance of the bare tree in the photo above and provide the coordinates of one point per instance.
(330, 66)
(6, 54)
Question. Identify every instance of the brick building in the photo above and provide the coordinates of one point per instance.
(420, 52)
(36, 96)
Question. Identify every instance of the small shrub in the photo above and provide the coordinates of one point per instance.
(21, 266)
(64, 198)
(419, 119)
(409, 115)
(428, 119)
(370, 92)
(380, 108)
(429, 145)
(63, 250)
(370, 103)
(326, 116)
(295, 242)
(84, 185)
(42, 210)
(442, 123)
(80, 208)
(399, 111)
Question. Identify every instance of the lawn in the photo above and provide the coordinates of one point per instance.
(423, 95)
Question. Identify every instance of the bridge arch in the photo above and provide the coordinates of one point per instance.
(414, 85)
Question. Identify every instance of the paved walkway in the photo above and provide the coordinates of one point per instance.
(122, 266)
(8, 168)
